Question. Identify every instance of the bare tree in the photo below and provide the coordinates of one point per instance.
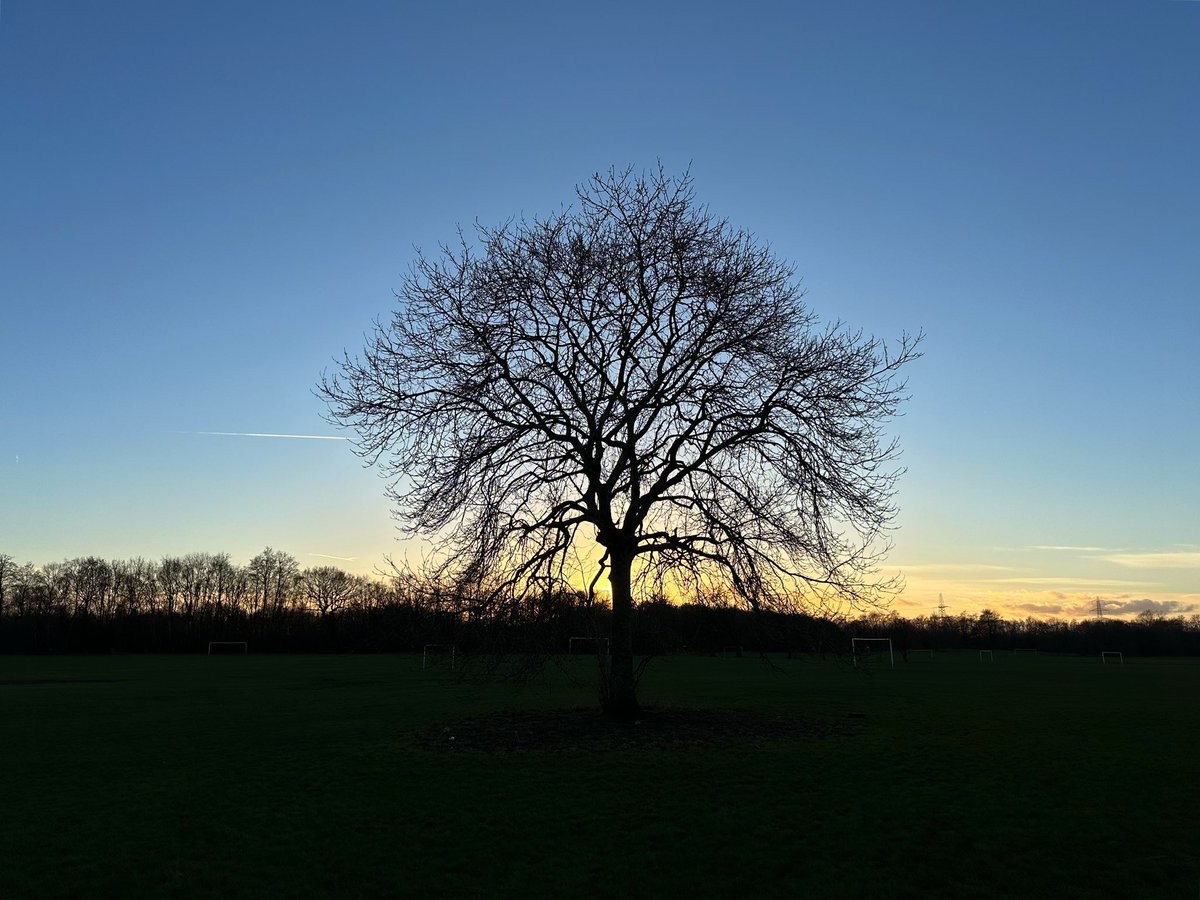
(8, 570)
(92, 580)
(134, 585)
(635, 371)
(25, 586)
(274, 575)
(223, 583)
(171, 585)
(327, 588)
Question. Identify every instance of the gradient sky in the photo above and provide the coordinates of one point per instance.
(204, 202)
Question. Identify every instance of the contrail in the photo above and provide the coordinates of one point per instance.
(261, 434)
(1069, 548)
(342, 558)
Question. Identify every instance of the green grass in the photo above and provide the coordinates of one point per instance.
(301, 777)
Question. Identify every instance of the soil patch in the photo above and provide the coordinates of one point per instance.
(566, 730)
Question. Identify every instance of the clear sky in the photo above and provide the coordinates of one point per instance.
(202, 203)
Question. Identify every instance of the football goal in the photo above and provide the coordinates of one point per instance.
(986, 654)
(928, 654)
(216, 648)
(865, 653)
(1115, 654)
(436, 654)
(594, 645)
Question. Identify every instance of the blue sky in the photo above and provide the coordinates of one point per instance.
(204, 203)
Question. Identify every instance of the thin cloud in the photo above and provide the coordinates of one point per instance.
(1076, 582)
(1073, 549)
(262, 434)
(951, 567)
(342, 558)
(1057, 548)
(1183, 559)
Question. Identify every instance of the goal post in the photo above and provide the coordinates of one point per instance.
(929, 653)
(990, 656)
(583, 644)
(435, 651)
(1116, 654)
(222, 648)
(854, 642)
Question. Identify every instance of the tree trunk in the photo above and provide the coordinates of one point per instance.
(618, 694)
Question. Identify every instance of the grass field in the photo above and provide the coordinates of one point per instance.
(1033, 776)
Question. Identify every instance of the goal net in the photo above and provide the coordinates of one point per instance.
(221, 648)
(1115, 655)
(593, 645)
(868, 651)
(438, 655)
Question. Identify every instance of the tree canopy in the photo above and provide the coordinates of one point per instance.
(633, 371)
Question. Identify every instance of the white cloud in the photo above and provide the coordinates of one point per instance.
(1073, 582)
(1181, 559)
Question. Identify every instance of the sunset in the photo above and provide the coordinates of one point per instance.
(200, 217)
(406, 350)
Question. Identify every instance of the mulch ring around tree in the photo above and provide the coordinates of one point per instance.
(566, 730)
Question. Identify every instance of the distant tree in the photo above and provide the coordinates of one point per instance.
(195, 583)
(237, 586)
(172, 580)
(274, 575)
(134, 586)
(1150, 617)
(988, 625)
(24, 588)
(639, 369)
(8, 571)
(327, 588)
(221, 576)
(37, 590)
(93, 586)
(372, 595)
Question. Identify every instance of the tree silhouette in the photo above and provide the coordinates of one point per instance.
(327, 588)
(272, 574)
(7, 576)
(635, 371)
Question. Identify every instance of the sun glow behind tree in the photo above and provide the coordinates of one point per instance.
(636, 371)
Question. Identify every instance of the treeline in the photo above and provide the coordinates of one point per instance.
(1148, 634)
(180, 604)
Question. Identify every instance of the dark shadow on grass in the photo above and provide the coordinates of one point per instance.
(587, 729)
(21, 681)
